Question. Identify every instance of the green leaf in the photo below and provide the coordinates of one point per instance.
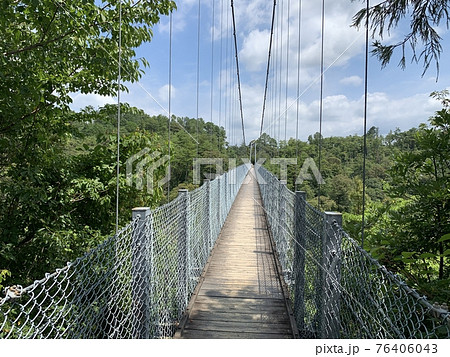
(444, 238)
(408, 254)
(427, 255)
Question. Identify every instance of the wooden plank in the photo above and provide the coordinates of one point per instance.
(240, 294)
(242, 308)
(236, 286)
(191, 333)
(243, 327)
(235, 316)
(233, 285)
(234, 300)
(235, 265)
(245, 273)
(224, 281)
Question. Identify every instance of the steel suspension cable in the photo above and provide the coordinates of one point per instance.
(233, 97)
(275, 79)
(321, 94)
(233, 94)
(227, 73)
(198, 69)
(236, 109)
(317, 80)
(119, 75)
(220, 70)
(169, 100)
(212, 71)
(272, 99)
(279, 76)
(298, 75)
(237, 71)
(268, 66)
(287, 73)
(366, 70)
(325, 70)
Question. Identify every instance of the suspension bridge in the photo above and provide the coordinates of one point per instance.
(240, 293)
(241, 256)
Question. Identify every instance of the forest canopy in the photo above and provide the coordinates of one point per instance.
(407, 189)
(58, 167)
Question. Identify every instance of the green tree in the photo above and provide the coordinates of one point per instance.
(50, 49)
(421, 177)
(356, 196)
(425, 17)
(58, 210)
(338, 188)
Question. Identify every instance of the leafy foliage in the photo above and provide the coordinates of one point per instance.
(58, 168)
(49, 200)
(68, 195)
(421, 178)
(425, 17)
(407, 218)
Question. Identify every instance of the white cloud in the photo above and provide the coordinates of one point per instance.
(392, 102)
(96, 100)
(163, 93)
(181, 17)
(354, 81)
(341, 115)
(404, 113)
(341, 41)
(254, 50)
(342, 110)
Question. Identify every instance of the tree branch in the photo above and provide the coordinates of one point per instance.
(39, 44)
(42, 43)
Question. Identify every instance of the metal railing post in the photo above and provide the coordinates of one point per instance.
(225, 196)
(299, 259)
(281, 225)
(141, 274)
(209, 238)
(329, 324)
(278, 210)
(219, 202)
(183, 249)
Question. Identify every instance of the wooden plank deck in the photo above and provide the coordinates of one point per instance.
(240, 294)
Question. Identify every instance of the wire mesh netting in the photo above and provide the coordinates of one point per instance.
(89, 297)
(336, 289)
(136, 284)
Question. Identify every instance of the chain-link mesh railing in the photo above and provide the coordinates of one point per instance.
(88, 298)
(337, 290)
(136, 284)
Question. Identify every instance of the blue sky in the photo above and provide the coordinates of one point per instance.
(397, 98)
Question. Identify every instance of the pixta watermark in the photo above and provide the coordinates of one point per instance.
(141, 168)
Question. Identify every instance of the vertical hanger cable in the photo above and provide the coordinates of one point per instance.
(298, 75)
(268, 67)
(287, 72)
(118, 117)
(169, 100)
(237, 71)
(366, 67)
(198, 71)
(321, 95)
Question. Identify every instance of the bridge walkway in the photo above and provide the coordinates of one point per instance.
(240, 294)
